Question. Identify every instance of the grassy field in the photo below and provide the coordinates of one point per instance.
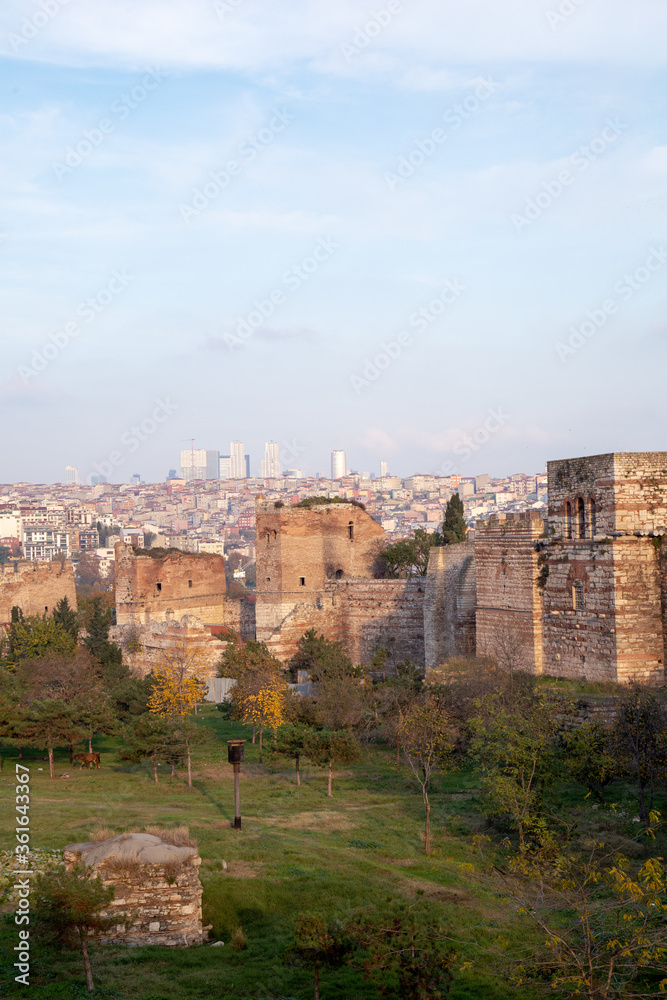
(299, 851)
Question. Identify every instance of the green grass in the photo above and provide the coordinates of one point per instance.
(299, 851)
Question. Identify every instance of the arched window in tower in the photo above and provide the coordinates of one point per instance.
(581, 518)
(568, 519)
(593, 517)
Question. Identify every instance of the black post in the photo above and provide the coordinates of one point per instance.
(235, 756)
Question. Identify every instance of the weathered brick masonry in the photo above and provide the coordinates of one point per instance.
(35, 587)
(147, 587)
(450, 599)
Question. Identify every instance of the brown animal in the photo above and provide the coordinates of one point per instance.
(91, 759)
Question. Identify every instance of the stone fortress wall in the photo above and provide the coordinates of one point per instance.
(34, 587)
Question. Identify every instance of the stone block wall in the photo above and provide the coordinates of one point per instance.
(157, 889)
(509, 598)
(146, 646)
(450, 600)
(147, 587)
(35, 587)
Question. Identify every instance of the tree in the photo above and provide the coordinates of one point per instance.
(240, 658)
(588, 754)
(89, 576)
(409, 952)
(98, 617)
(49, 724)
(291, 742)
(454, 528)
(67, 908)
(410, 556)
(153, 738)
(605, 928)
(27, 638)
(5, 554)
(515, 743)
(178, 688)
(428, 739)
(66, 617)
(326, 747)
(322, 658)
(317, 944)
(641, 741)
(265, 708)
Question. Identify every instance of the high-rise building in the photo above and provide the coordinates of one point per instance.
(384, 469)
(71, 474)
(225, 466)
(193, 464)
(135, 479)
(238, 462)
(338, 465)
(247, 466)
(212, 465)
(271, 460)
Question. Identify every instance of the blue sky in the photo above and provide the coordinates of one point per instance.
(533, 141)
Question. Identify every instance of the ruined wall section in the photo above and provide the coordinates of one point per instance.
(147, 588)
(450, 600)
(509, 597)
(301, 549)
(35, 587)
(150, 644)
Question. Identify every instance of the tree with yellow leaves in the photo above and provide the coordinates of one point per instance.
(266, 707)
(178, 688)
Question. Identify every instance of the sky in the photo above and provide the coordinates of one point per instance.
(428, 232)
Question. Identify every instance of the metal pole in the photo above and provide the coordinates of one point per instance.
(237, 796)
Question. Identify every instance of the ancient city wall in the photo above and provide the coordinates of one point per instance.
(35, 587)
(147, 645)
(640, 653)
(509, 597)
(149, 586)
(450, 599)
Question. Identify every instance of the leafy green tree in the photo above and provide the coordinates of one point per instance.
(454, 528)
(410, 556)
(66, 617)
(66, 909)
(291, 742)
(408, 950)
(326, 747)
(641, 741)
(590, 758)
(98, 621)
(50, 724)
(324, 659)
(5, 555)
(428, 740)
(28, 638)
(318, 944)
(152, 738)
(240, 658)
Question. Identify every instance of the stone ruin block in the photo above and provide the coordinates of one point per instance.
(158, 892)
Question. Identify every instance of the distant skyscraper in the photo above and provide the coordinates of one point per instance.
(338, 465)
(384, 469)
(96, 480)
(247, 466)
(238, 463)
(212, 465)
(193, 464)
(71, 474)
(136, 479)
(271, 461)
(225, 467)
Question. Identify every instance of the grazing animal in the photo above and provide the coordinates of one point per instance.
(91, 759)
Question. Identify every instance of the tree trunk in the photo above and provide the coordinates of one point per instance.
(86, 959)
(187, 743)
(71, 753)
(254, 730)
(398, 757)
(52, 770)
(155, 770)
(90, 744)
(20, 753)
(317, 982)
(329, 791)
(261, 731)
(427, 825)
(298, 771)
(173, 769)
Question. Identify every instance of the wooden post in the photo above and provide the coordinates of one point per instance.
(237, 796)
